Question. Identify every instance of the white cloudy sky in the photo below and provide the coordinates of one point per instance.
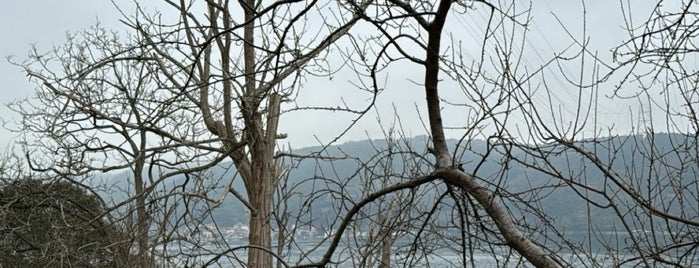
(44, 23)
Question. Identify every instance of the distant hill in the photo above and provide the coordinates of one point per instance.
(563, 205)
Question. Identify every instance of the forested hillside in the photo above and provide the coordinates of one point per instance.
(565, 206)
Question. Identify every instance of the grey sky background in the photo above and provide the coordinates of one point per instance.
(44, 23)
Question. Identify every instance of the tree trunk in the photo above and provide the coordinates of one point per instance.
(386, 235)
(141, 234)
(386, 243)
(260, 230)
(262, 182)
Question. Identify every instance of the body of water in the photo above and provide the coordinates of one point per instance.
(309, 250)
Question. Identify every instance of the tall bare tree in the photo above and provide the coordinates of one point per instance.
(641, 185)
(240, 97)
(93, 114)
(180, 95)
(422, 26)
(205, 86)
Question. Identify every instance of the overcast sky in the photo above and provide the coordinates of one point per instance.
(40, 23)
(44, 23)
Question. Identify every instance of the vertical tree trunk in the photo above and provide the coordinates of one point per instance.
(262, 182)
(260, 230)
(141, 213)
(386, 243)
(386, 235)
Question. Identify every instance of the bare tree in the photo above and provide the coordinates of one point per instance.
(650, 174)
(422, 26)
(181, 96)
(94, 114)
(239, 97)
(631, 184)
(640, 185)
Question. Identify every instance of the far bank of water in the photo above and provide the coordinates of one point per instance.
(311, 249)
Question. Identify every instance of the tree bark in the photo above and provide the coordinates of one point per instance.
(537, 255)
(141, 234)
(260, 230)
(386, 243)
(262, 182)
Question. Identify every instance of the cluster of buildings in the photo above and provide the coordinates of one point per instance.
(240, 231)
